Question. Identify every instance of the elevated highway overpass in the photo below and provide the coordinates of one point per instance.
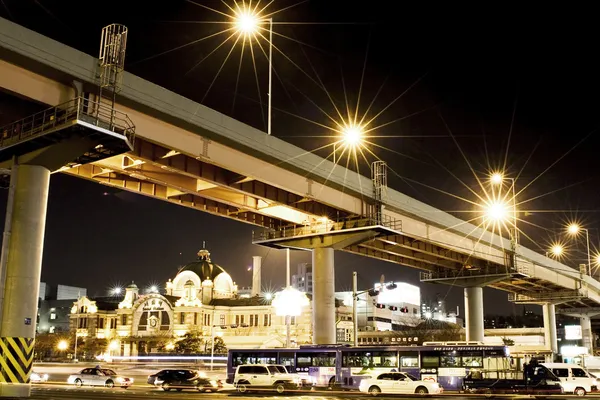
(188, 154)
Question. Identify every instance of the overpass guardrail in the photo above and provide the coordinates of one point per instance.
(326, 226)
(78, 109)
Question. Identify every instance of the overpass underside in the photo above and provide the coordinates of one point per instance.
(179, 178)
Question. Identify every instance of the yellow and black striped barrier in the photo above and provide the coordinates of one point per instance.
(16, 358)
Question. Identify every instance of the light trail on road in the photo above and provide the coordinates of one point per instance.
(56, 392)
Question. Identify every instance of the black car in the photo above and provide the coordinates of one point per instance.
(179, 379)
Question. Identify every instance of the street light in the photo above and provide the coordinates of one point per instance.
(212, 344)
(289, 303)
(557, 250)
(574, 229)
(352, 137)
(496, 211)
(62, 345)
(498, 178)
(355, 294)
(247, 22)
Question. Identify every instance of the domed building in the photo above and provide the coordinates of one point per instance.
(209, 280)
(201, 297)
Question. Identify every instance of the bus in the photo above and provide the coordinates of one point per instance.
(343, 366)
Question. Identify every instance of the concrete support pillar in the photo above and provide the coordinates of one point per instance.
(550, 327)
(323, 301)
(586, 333)
(23, 268)
(474, 313)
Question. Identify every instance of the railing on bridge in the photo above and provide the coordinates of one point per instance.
(326, 226)
(55, 118)
(546, 296)
(472, 272)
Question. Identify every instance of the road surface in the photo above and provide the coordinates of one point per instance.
(59, 392)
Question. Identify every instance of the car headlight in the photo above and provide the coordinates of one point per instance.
(46, 377)
(214, 383)
(120, 380)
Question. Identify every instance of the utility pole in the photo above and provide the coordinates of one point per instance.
(354, 307)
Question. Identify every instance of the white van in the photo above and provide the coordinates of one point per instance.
(573, 378)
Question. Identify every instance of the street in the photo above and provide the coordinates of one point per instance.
(49, 392)
(56, 392)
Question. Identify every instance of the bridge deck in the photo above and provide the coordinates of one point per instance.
(190, 155)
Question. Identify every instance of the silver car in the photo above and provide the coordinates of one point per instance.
(99, 377)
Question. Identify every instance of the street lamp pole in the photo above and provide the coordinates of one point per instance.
(589, 262)
(355, 307)
(212, 346)
(514, 201)
(270, 73)
(288, 338)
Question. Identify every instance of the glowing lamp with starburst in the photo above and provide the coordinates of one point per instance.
(496, 178)
(352, 136)
(497, 211)
(289, 302)
(573, 229)
(557, 250)
(247, 22)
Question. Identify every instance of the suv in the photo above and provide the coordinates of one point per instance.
(264, 376)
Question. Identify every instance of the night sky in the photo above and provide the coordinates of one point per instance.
(461, 90)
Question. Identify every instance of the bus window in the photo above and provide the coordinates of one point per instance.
(287, 359)
(430, 360)
(323, 360)
(303, 361)
(356, 359)
(450, 359)
(253, 358)
(242, 358)
(472, 358)
(409, 361)
(385, 359)
(266, 358)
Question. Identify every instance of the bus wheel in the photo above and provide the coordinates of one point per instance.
(331, 384)
(374, 391)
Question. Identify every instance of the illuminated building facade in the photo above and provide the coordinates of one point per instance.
(201, 298)
(389, 310)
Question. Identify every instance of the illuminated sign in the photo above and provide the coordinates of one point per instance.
(403, 293)
(573, 332)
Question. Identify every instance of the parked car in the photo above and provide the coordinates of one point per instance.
(99, 377)
(573, 378)
(398, 383)
(38, 378)
(180, 379)
(264, 376)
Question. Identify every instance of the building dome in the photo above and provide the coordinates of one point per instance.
(132, 286)
(223, 284)
(203, 267)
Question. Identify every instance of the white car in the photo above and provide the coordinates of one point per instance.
(264, 376)
(38, 378)
(398, 383)
(99, 377)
